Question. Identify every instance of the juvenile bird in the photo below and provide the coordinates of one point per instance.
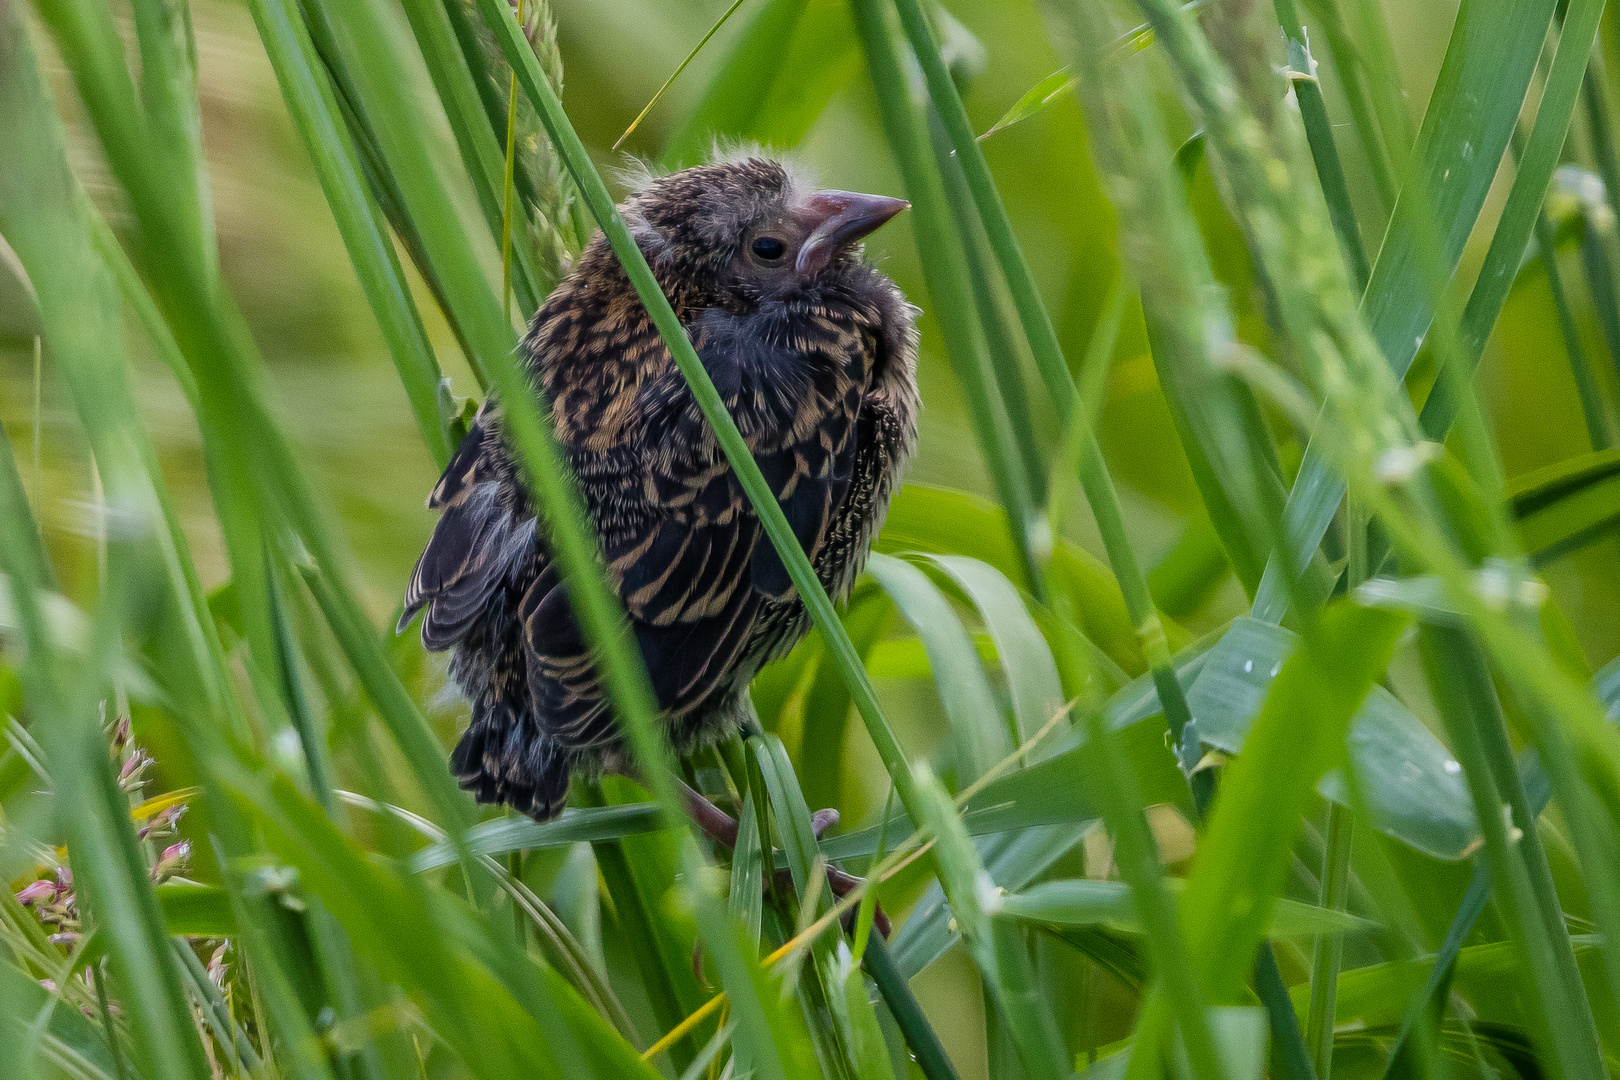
(814, 352)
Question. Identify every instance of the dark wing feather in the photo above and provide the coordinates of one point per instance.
(810, 479)
(476, 544)
(468, 466)
(683, 546)
(802, 373)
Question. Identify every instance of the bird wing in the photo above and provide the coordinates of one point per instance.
(796, 378)
(478, 541)
(684, 547)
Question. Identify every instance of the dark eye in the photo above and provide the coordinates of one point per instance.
(769, 248)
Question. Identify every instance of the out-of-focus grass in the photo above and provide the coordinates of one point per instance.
(1028, 998)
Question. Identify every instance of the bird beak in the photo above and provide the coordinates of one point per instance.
(836, 218)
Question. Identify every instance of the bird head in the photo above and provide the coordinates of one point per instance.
(748, 229)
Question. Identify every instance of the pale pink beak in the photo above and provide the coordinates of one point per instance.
(836, 218)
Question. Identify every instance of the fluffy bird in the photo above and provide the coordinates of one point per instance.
(813, 350)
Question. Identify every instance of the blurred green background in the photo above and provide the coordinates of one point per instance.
(338, 396)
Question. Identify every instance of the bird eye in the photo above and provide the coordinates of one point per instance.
(769, 248)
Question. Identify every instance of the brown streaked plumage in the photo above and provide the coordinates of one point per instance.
(814, 352)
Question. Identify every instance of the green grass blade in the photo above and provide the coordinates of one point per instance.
(1090, 902)
(1482, 82)
(995, 943)
(979, 736)
(42, 222)
(1597, 424)
(1329, 955)
(481, 155)
(371, 59)
(948, 276)
(581, 824)
(746, 895)
(311, 102)
(942, 521)
(1392, 305)
(919, 1033)
(1565, 505)
(1049, 359)
(1137, 858)
(634, 910)
(1025, 657)
(173, 121)
(1430, 1003)
(1467, 703)
(1354, 74)
(1240, 866)
(1324, 149)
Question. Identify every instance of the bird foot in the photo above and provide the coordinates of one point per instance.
(721, 827)
(822, 820)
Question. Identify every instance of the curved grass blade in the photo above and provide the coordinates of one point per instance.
(942, 521)
(977, 732)
(746, 891)
(1026, 659)
(1091, 902)
(501, 836)
(1036, 98)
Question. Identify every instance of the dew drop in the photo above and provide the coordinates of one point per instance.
(1248, 666)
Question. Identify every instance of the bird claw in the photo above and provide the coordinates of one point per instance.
(822, 820)
(842, 884)
(721, 827)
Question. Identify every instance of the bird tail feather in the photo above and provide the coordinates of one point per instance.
(504, 757)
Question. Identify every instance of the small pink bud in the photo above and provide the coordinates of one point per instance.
(36, 891)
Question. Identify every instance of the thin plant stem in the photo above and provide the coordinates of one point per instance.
(704, 40)
(1324, 151)
(1329, 951)
(507, 185)
(1597, 425)
(38, 429)
(1351, 69)
(1466, 697)
(114, 1044)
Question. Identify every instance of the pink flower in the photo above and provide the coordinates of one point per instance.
(172, 861)
(35, 891)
